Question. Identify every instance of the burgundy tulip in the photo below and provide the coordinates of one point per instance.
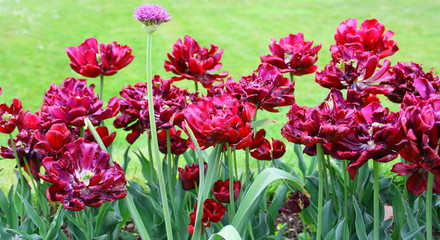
(269, 151)
(221, 190)
(9, 116)
(190, 61)
(296, 203)
(213, 211)
(73, 101)
(190, 175)
(178, 144)
(89, 61)
(370, 37)
(168, 100)
(219, 120)
(82, 176)
(56, 138)
(360, 71)
(293, 54)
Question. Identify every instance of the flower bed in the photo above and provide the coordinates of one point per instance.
(62, 150)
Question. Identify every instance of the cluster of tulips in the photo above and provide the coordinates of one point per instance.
(65, 143)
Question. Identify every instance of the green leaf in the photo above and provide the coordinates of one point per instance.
(228, 233)
(359, 221)
(329, 217)
(266, 177)
(261, 122)
(4, 235)
(398, 212)
(340, 229)
(301, 163)
(38, 221)
(56, 224)
(411, 230)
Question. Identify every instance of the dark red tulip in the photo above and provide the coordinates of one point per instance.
(293, 54)
(221, 190)
(370, 37)
(89, 61)
(190, 61)
(73, 101)
(178, 144)
(82, 176)
(168, 100)
(219, 120)
(360, 71)
(190, 176)
(269, 151)
(296, 203)
(9, 116)
(56, 138)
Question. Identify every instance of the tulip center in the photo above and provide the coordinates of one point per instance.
(85, 176)
(7, 116)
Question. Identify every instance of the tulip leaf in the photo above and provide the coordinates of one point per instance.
(329, 217)
(340, 229)
(266, 177)
(228, 232)
(56, 224)
(301, 163)
(411, 230)
(38, 221)
(359, 221)
(398, 212)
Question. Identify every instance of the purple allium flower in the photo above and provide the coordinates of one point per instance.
(82, 176)
(151, 15)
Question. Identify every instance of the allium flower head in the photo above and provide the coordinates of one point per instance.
(152, 15)
(82, 176)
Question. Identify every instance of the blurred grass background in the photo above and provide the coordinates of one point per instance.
(35, 34)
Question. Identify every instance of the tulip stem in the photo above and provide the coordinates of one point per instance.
(101, 87)
(231, 185)
(14, 148)
(321, 168)
(154, 143)
(429, 205)
(376, 200)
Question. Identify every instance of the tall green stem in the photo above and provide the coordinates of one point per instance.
(376, 200)
(231, 184)
(429, 206)
(14, 148)
(101, 87)
(321, 163)
(154, 143)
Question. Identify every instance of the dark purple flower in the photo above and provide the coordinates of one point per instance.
(190, 61)
(73, 101)
(405, 76)
(370, 37)
(266, 88)
(218, 120)
(9, 116)
(293, 54)
(168, 100)
(360, 71)
(269, 151)
(55, 139)
(178, 144)
(151, 14)
(82, 176)
(296, 203)
(220, 190)
(89, 61)
(420, 125)
(190, 176)
(329, 121)
(25, 142)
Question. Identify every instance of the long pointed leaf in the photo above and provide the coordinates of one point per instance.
(266, 177)
(228, 233)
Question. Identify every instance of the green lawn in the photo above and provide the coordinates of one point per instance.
(35, 33)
